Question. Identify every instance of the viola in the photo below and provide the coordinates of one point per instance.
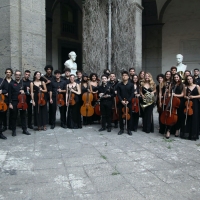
(3, 105)
(60, 100)
(87, 109)
(72, 99)
(41, 98)
(135, 105)
(22, 105)
(169, 115)
(97, 108)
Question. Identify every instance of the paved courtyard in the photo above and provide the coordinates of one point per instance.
(86, 164)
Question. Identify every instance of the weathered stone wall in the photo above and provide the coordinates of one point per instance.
(23, 34)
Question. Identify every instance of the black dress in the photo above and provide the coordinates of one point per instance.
(134, 115)
(191, 130)
(74, 115)
(148, 125)
(40, 112)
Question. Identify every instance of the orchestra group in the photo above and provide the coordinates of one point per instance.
(83, 99)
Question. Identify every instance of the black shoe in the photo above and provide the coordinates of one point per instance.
(63, 126)
(26, 132)
(52, 126)
(14, 133)
(109, 130)
(30, 126)
(4, 128)
(116, 126)
(129, 132)
(2, 136)
(120, 132)
(102, 129)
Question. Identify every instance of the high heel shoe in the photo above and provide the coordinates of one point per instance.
(167, 135)
(177, 133)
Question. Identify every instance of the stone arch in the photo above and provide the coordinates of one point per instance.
(162, 12)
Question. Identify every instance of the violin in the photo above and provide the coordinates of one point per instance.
(125, 111)
(135, 105)
(22, 105)
(188, 107)
(60, 99)
(169, 115)
(87, 109)
(72, 98)
(97, 108)
(41, 99)
(3, 105)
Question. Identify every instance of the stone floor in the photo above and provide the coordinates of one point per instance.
(86, 164)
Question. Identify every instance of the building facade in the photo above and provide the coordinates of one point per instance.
(147, 35)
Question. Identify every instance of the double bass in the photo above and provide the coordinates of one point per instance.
(87, 109)
(169, 115)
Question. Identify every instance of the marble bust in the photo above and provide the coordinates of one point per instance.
(180, 66)
(71, 62)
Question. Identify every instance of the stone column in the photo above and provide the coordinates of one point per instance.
(23, 34)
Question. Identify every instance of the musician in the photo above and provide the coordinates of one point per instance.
(85, 87)
(79, 76)
(66, 78)
(131, 73)
(173, 70)
(8, 80)
(141, 77)
(106, 72)
(38, 88)
(16, 87)
(177, 90)
(191, 93)
(26, 83)
(73, 111)
(58, 87)
(47, 79)
(135, 115)
(196, 76)
(147, 91)
(125, 93)
(113, 83)
(106, 94)
(3, 91)
(186, 73)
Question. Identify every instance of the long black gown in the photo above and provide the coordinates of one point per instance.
(191, 130)
(40, 113)
(74, 115)
(134, 115)
(148, 124)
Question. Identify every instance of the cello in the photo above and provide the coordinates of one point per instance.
(22, 105)
(3, 105)
(169, 115)
(87, 109)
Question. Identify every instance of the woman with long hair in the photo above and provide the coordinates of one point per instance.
(190, 128)
(72, 102)
(141, 77)
(177, 89)
(147, 91)
(40, 111)
(135, 115)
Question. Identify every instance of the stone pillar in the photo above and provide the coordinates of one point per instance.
(24, 34)
(138, 36)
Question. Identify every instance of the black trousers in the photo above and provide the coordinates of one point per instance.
(14, 114)
(121, 120)
(53, 114)
(106, 112)
(29, 110)
(50, 107)
(5, 120)
(1, 120)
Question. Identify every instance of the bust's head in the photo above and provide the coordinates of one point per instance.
(179, 58)
(72, 55)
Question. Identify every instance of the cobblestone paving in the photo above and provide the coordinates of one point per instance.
(86, 164)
